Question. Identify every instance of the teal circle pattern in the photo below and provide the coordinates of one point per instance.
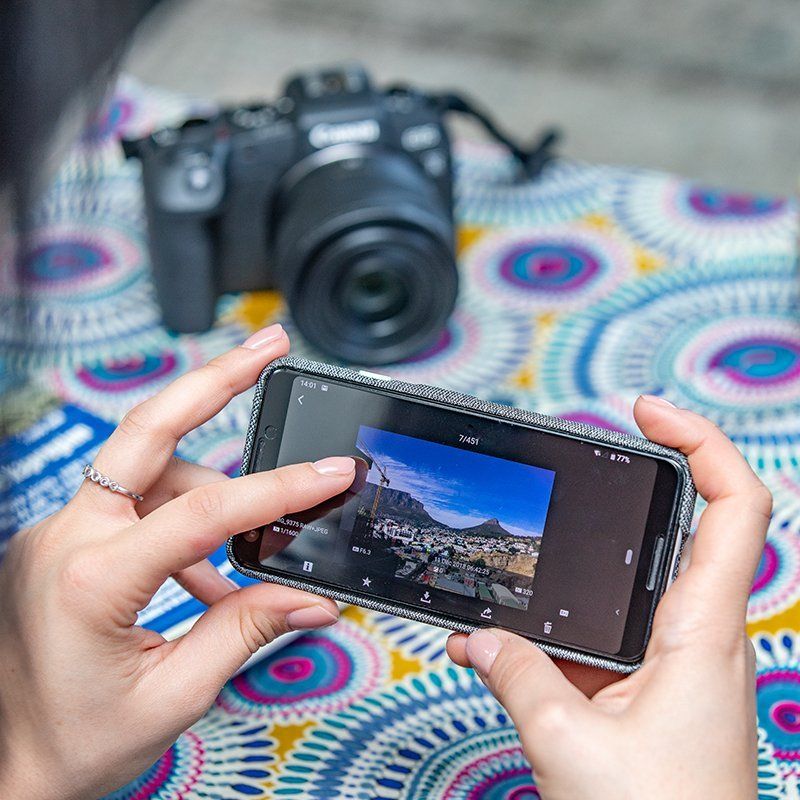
(722, 339)
(437, 735)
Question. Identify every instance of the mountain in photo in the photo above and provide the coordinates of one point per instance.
(489, 529)
(402, 506)
(397, 505)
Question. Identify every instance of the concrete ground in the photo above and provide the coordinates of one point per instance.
(708, 89)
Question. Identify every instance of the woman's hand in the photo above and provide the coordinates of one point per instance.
(88, 699)
(684, 725)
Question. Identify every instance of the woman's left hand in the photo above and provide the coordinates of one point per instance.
(88, 699)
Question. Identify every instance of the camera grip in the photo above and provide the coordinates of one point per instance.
(182, 259)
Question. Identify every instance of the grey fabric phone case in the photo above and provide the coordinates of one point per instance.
(685, 508)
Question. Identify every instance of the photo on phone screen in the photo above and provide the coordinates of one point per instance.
(444, 518)
(470, 517)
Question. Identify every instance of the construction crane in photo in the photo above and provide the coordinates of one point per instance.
(383, 481)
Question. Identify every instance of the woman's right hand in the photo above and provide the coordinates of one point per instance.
(88, 698)
(684, 725)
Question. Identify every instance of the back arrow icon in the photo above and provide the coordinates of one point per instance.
(300, 399)
(617, 612)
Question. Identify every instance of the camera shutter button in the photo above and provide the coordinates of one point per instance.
(198, 178)
(198, 174)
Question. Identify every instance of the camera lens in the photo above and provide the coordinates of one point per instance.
(364, 254)
(375, 291)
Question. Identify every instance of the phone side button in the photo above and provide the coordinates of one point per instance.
(260, 445)
(655, 564)
(375, 375)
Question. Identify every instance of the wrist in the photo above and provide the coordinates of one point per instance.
(21, 775)
(16, 783)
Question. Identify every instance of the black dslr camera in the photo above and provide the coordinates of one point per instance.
(338, 194)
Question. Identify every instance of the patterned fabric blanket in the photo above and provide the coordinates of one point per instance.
(580, 291)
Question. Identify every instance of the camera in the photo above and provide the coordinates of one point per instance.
(337, 194)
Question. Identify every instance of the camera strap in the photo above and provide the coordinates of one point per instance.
(532, 159)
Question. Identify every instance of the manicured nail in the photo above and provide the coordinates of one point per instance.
(651, 398)
(266, 335)
(335, 465)
(482, 649)
(311, 617)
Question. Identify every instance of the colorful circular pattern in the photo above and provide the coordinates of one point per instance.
(760, 361)
(723, 339)
(681, 219)
(76, 266)
(778, 695)
(177, 771)
(777, 582)
(491, 191)
(546, 269)
(128, 374)
(220, 757)
(437, 735)
(111, 386)
(770, 783)
(785, 487)
(743, 360)
(717, 204)
(88, 292)
(458, 773)
(317, 674)
(66, 263)
(414, 640)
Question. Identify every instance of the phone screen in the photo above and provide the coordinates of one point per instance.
(470, 516)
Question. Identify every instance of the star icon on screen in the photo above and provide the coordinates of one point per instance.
(366, 582)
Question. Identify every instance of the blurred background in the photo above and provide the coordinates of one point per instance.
(706, 88)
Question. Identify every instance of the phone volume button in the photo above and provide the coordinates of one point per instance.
(655, 564)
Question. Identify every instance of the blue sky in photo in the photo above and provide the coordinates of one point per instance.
(461, 488)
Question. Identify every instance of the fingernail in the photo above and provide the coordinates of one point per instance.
(651, 398)
(231, 582)
(482, 649)
(311, 617)
(264, 336)
(335, 465)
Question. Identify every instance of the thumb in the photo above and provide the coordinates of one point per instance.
(230, 631)
(542, 703)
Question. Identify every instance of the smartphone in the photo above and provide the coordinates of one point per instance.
(466, 513)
